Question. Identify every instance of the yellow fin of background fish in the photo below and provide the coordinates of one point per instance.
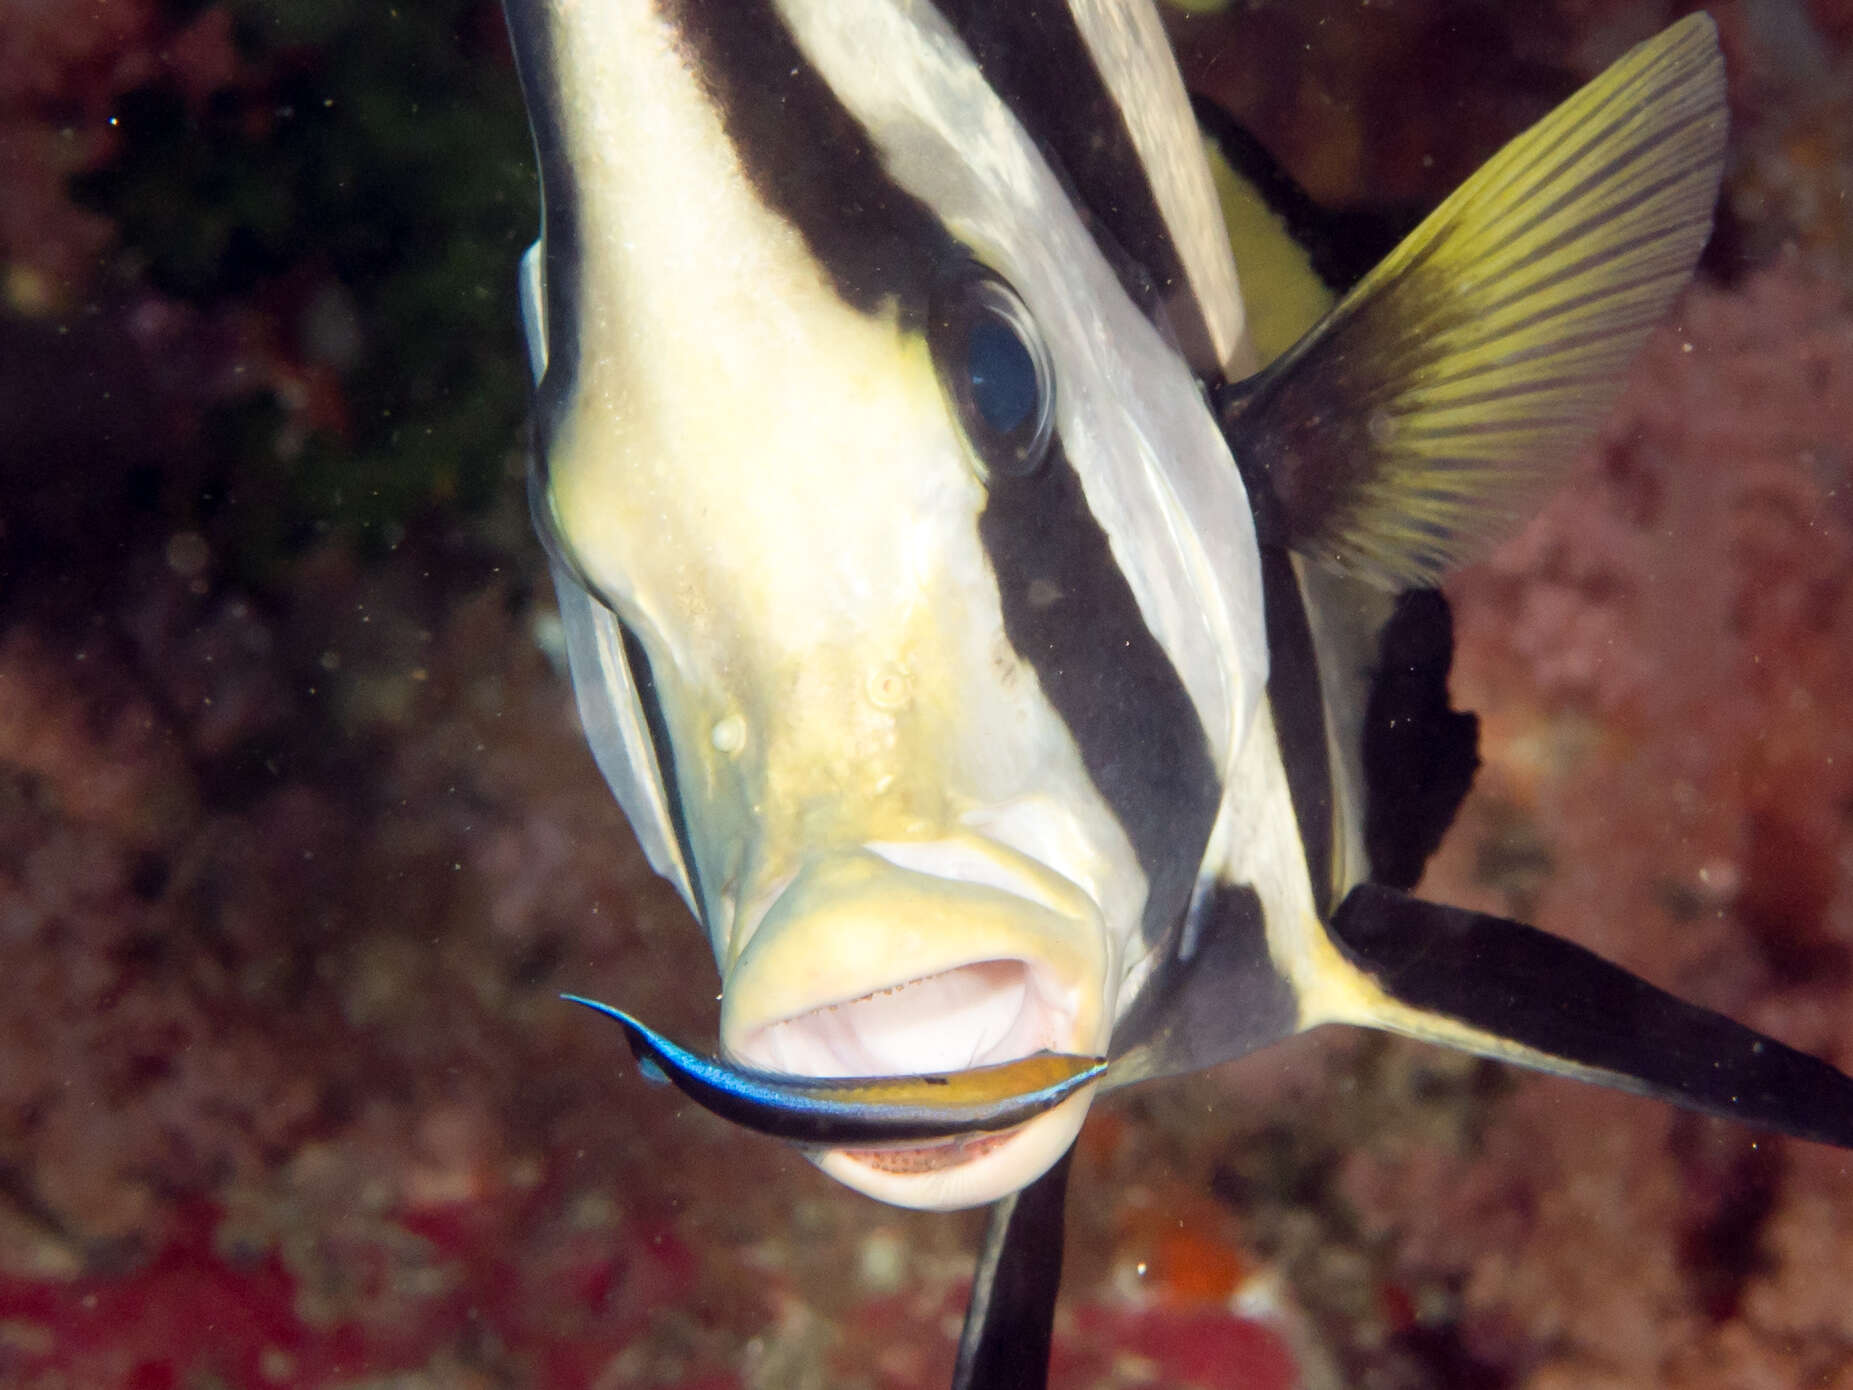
(1442, 397)
(1282, 295)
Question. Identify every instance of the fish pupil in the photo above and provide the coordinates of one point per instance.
(1003, 377)
(995, 370)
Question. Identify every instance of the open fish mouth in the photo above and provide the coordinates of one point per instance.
(974, 1015)
(986, 1016)
(955, 959)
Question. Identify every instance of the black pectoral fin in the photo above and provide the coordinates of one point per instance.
(1010, 1319)
(1508, 990)
(1417, 753)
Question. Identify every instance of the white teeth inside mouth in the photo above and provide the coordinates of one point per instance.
(971, 1016)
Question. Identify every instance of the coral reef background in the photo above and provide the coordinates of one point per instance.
(299, 840)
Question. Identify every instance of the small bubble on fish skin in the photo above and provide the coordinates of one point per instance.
(728, 735)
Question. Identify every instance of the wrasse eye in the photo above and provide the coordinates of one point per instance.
(995, 371)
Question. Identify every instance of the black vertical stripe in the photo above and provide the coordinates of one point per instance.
(1035, 58)
(1071, 615)
(810, 160)
(1298, 707)
(1296, 698)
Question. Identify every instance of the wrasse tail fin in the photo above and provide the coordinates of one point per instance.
(1442, 397)
(1010, 1319)
(1506, 990)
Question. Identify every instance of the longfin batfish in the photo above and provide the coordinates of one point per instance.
(996, 661)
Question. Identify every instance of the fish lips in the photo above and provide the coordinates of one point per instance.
(863, 967)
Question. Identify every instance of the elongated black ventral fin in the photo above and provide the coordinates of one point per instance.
(1010, 1319)
(1565, 1009)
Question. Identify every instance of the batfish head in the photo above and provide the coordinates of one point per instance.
(873, 465)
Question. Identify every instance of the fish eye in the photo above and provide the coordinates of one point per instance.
(995, 370)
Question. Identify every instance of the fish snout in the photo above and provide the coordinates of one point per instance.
(921, 959)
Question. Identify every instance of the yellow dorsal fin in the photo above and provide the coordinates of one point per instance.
(1444, 394)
